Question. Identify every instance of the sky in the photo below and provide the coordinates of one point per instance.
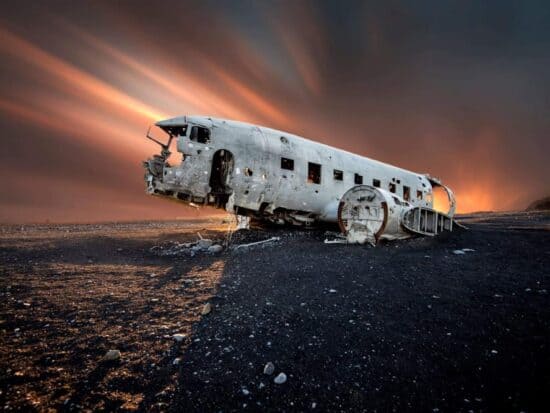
(458, 89)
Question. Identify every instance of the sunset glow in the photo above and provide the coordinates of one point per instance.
(78, 96)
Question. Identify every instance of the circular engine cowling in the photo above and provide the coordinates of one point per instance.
(367, 214)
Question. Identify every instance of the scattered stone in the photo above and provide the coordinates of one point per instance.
(332, 290)
(206, 309)
(179, 337)
(269, 368)
(27, 304)
(280, 379)
(112, 355)
(214, 249)
(204, 243)
(245, 391)
(176, 361)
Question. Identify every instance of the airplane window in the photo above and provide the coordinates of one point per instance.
(406, 193)
(419, 194)
(392, 187)
(358, 179)
(313, 173)
(200, 135)
(376, 183)
(175, 130)
(338, 175)
(287, 164)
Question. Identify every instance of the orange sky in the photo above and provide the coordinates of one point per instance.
(78, 93)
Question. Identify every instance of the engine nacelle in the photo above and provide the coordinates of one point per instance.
(367, 214)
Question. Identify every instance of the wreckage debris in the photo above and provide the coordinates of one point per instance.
(251, 244)
(336, 241)
(393, 203)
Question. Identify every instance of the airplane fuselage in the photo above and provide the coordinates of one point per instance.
(267, 173)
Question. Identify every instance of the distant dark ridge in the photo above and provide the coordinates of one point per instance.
(542, 204)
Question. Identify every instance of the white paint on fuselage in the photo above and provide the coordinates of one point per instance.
(259, 150)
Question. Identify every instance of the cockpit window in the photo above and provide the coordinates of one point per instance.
(200, 134)
(175, 130)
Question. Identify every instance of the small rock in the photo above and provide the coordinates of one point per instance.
(458, 252)
(176, 361)
(179, 337)
(112, 355)
(214, 249)
(269, 368)
(245, 392)
(280, 379)
(332, 290)
(206, 309)
(204, 243)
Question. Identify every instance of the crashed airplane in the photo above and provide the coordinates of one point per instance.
(271, 175)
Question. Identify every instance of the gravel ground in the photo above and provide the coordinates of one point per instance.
(459, 322)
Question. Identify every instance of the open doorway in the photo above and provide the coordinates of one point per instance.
(222, 167)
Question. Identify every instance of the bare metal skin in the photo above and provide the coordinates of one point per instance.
(256, 171)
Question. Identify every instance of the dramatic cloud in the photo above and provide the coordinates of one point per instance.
(456, 89)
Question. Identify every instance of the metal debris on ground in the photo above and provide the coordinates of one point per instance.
(336, 241)
(251, 244)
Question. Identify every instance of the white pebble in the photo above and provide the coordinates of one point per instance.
(280, 379)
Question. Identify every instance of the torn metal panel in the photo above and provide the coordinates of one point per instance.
(277, 176)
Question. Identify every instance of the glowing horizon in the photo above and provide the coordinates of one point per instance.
(78, 96)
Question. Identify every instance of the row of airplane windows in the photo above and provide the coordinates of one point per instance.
(314, 177)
